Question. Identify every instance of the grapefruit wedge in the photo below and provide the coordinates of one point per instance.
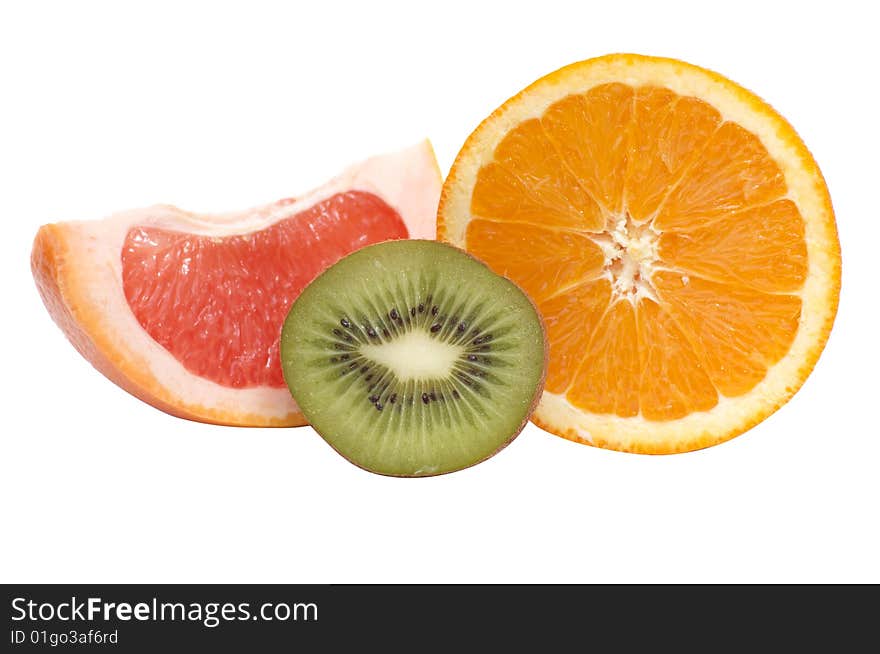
(184, 310)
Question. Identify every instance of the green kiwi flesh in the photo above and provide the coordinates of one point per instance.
(412, 358)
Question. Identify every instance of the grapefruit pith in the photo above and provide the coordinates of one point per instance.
(184, 310)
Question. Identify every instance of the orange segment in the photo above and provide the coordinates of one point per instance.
(608, 379)
(529, 183)
(590, 132)
(541, 261)
(763, 248)
(739, 332)
(667, 132)
(734, 172)
(673, 382)
(713, 249)
(568, 319)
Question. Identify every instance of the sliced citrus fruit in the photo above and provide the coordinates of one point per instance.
(676, 235)
(185, 311)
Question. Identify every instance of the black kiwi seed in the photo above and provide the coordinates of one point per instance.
(393, 398)
(436, 328)
(340, 346)
(338, 332)
(425, 398)
(370, 331)
(344, 322)
(412, 312)
(434, 311)
(344, 357)
(352, 365)
(333, 359)
(374, 399)
(368, 378)
(394, 315)
(455, 394)
(385, 333)
(473, 357)
(462, 326)
(433, 396)
(421, 308)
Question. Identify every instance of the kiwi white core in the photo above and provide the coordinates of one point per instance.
(415, 355)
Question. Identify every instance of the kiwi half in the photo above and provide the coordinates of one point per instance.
(412, 358)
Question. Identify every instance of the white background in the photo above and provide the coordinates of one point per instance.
(218, 107)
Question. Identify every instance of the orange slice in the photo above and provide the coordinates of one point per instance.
(675, 233)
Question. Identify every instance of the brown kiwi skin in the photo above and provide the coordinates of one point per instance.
(539, 391)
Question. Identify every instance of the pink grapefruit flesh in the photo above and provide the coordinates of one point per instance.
(217, 304)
